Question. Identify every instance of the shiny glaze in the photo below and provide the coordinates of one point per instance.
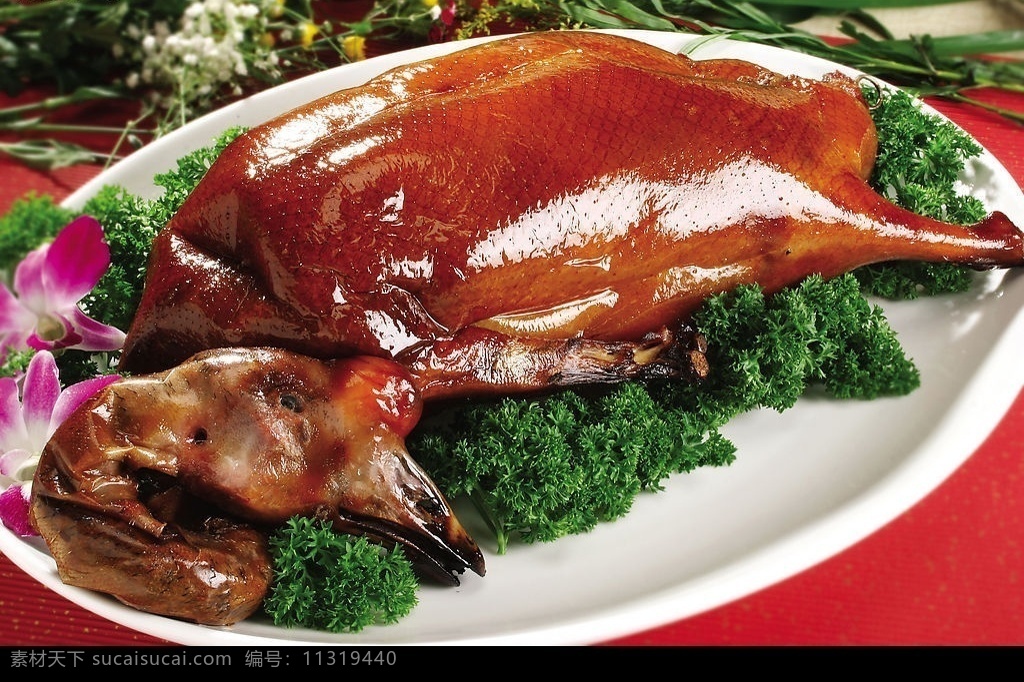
(541, 210)
(253, 435)
(550, 186)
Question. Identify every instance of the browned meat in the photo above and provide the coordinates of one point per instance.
(216, 573)
(540, 188)
(541, 210)
(141, 493)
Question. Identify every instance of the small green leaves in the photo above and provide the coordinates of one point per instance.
(336, 582)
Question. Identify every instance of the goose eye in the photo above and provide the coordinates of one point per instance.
(291, 402)
(200, 436)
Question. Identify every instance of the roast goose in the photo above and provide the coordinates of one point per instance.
(532, 212)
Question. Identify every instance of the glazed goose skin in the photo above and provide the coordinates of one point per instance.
(538, 211)
(535, 189)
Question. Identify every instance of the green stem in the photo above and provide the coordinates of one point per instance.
(479, 501)
(128, 131)
(49, 154)
(69, 128)
(48, 104)
(83, 94)
(1008, 113)
(854, 4)
(878, 65)
(989, 42)
(18, 11)
(15, 11)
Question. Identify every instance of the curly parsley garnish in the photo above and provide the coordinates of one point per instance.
(336, 582)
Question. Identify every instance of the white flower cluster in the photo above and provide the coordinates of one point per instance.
(218, 44)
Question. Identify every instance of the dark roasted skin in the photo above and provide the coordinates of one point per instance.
(212, 571)
(159, 489)
(561, 185)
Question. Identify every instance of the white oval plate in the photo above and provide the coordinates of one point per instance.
(806, 484)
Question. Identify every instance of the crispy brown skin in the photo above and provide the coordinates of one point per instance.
(543, 210)
(544, 187)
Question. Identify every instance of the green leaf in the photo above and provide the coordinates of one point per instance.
(48, 154)
(854, 4)
(632, 13)
(336, 582)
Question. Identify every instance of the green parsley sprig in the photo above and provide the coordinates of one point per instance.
(336, 582)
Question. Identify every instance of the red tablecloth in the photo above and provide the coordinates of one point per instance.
(948, 572)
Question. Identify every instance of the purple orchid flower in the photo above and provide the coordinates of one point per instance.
(49, 283)
(26, 425)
